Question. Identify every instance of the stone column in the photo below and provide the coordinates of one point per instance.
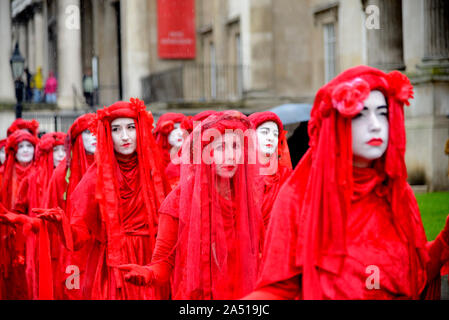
(39, 40)
(436, 30)
(23, 43)
(261, 29)
(31, 48)
(385, 47)
(6, 81)
(70, 94)
(135, 27)
(105, 46)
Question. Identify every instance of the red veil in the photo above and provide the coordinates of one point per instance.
(219, 237)
(271, 184)
(308, 233)
(164, 126)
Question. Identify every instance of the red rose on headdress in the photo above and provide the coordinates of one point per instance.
(137, 104)
(348, 97)
(400, 87)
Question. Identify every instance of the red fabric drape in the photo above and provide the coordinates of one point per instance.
(220, 226)
(317, 219)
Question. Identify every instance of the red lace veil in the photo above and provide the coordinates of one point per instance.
(219, 237)
(318, 194)
(153, 182)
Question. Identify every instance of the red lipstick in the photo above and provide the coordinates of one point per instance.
(375, 142)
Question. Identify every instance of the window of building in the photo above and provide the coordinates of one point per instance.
(330, 42)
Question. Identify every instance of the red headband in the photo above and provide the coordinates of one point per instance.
(17, 137)
(261, 117)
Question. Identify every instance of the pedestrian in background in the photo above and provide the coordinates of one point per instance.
(51, 87)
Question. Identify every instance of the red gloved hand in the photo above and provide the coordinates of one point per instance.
(155, 274)
(52, 215)
(8, 219)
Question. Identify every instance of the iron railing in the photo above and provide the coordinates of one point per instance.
(195, 83)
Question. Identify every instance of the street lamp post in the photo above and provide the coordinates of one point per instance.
(17, 66)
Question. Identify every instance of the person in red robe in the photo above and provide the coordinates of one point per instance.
(32, 192)
(20, 149)
(168, 135)
(80, 148)
(117, 201)
(346, 224)
(210, 227)
(273, 158)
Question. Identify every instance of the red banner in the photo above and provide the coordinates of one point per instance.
(176, 29)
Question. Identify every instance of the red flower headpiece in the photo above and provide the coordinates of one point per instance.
(17, 137)
(31, 125)
(400, 87)
(348, 97)
(48, 141)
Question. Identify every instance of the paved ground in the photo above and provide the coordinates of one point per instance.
(444, 288)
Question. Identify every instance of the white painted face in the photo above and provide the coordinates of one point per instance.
(268, 137)
(227, 151)
(58, 154)
(370, 130)
(2, 155)
(89, 142)
(25, 152)
(124, 135)
(175, 137)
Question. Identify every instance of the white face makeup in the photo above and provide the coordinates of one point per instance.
(124, 135)
(175, 137)
(58, 154)
(89, 142)
(268, 138)
(2, 155)
(25, 152)
(227, 151)
(370, 130)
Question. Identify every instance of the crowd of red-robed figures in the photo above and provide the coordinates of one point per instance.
(105, 223)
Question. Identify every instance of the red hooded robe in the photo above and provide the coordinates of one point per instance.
(117, 202)
(31, 194)
(12, 242)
